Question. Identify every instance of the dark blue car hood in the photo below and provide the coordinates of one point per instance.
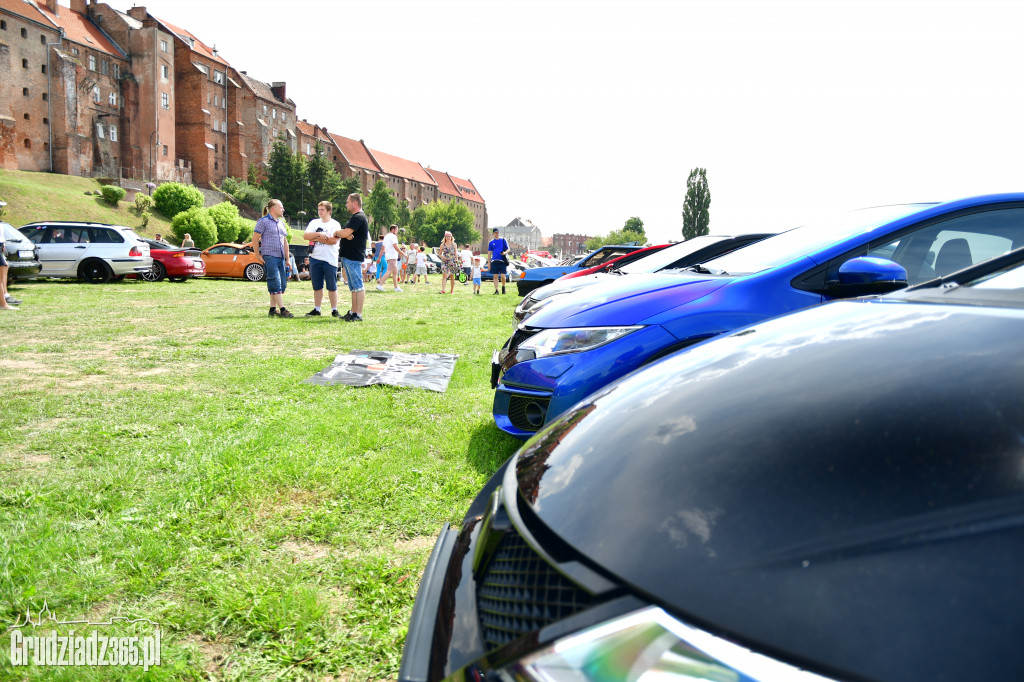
(844, 485)
(625, 300)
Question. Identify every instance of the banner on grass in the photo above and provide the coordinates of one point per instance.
(431, 371)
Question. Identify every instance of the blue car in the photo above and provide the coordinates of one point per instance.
(533, 278)
(578, 344)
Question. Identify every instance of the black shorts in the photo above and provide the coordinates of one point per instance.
(498, 267)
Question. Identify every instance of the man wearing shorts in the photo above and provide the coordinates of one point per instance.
(498, 248)
(392, 252)
(323, 232)
(270, 241)
(353, 252)
(467, 262)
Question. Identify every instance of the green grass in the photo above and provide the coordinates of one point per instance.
(161, 458)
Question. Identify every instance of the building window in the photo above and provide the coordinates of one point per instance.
(282, 117)
(163, 46)
(3, 25)
(46, 146)
(42, 39)
(215, 124)
(46, 121)
(24, 91)
(165, 100)
(92, 62)
(224, 103)
(28, 143)
(45, 96)
(99, 130)
(113, 133)
(112, 99)
(165, 150)
(215, 165)
(74, 51)
(44, 68)
(224, 126)
(218, 77)
(24, 63)
(216, 149)
(273, 114)
(26, 117)
(105, 67)
(24, 33)
(264, 109)
(120, 101)
(117, 70)
(164, 72)
(216, 100)
(96, 95)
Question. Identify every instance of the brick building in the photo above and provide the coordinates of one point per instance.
(568, 244)
(452, 188)
(407, 180)
(353, 158)
(264, 112)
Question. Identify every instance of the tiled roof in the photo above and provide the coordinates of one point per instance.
(195, 43)
(305, 128)
(356, 152)
(449, 184)
(263, 90)
(467, 189)
(403, 168)
(27, 10)
(444, 183)
(79, 29)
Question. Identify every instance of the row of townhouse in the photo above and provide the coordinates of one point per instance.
(98, 92)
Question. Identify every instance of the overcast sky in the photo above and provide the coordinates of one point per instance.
(580, 115)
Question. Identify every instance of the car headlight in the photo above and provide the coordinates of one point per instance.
(555, 341)
(649, 645)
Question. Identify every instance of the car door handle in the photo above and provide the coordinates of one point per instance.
(79, 247)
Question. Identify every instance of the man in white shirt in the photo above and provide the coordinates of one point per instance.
(392, 250)
(323, 232)
(467, 262)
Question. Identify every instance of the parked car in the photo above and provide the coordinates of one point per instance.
(538, 277)
(830, 495)
(582, 342)
(534, 252)
(615, 262)
(513, 271)
(173, 263)
(433, 263)
(95, 252)
(653, 259)
(22, 261)
(234, 260)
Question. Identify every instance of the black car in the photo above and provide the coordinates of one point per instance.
(22, 259)
(833, 494)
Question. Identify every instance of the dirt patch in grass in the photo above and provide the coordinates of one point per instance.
(415, 545)
(23, 366)
(213, 653)
(303, 551)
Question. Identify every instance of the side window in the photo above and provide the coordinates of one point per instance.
(36, 236)
(102, 235)
(78, 235)
(220, 249)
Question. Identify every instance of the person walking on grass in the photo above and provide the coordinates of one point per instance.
(323, 263)
(4, 303)
(353, 252)
(498, 249)
(392, 252)
(421, 265)
(467, 262)
(450, 263)
(381, 263)
(270, 241)
(475, 274)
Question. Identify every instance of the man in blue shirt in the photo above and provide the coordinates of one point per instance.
(498, 249)
(270, 241)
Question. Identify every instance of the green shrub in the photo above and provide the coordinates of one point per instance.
(145, 218)
(112, 194)
(231, 185)
(143, 203)
(245, 228)
(225, 215)
(172, 198)
(197, 222)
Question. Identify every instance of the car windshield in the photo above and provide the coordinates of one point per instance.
(806, 239)
(11, 234)
(653, 262)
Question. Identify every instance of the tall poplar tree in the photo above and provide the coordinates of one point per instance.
(696, 215)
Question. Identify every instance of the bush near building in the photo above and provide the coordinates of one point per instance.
(112, 194)
(197, 222)
(172, 198)
(225, 215)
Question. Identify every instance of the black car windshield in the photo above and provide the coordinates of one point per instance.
(807, 239)
(659, 259)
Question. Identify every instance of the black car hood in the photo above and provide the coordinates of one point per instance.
(842, 486)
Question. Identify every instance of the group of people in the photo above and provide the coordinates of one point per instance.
(333, 245)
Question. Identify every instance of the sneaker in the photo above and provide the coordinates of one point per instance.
(495, 292)
(284, 313)
(397, 289)
(335, 313)
(313, 313)
(503, 290)
(273, 312)
(356, 317)
(380, 288)
(13, 301)
(348, 316)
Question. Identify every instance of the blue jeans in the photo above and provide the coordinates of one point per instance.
(353, 273)
(276, 280)
(322, 271)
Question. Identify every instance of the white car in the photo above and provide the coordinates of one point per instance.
(95, 252)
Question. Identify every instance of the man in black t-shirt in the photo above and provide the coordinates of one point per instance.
(353, 252)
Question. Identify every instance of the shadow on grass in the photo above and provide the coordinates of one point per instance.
(489, 447)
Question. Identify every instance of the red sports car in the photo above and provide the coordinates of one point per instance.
(173, 263)
(615, 262)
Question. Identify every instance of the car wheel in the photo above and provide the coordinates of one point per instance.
(95, 271)
(156, 273)
(254, 272)
(178, 279)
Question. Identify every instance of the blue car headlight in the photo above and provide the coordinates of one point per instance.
(645, 646)
(556, 341)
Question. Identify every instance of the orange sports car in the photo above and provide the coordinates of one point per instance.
(234, 260)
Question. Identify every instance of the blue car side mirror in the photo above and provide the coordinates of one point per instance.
(865, 276)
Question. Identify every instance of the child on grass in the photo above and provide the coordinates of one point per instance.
(476, 276)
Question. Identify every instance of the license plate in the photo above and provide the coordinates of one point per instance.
(26, 254)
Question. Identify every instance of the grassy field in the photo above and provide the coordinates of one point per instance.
(161, 458)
